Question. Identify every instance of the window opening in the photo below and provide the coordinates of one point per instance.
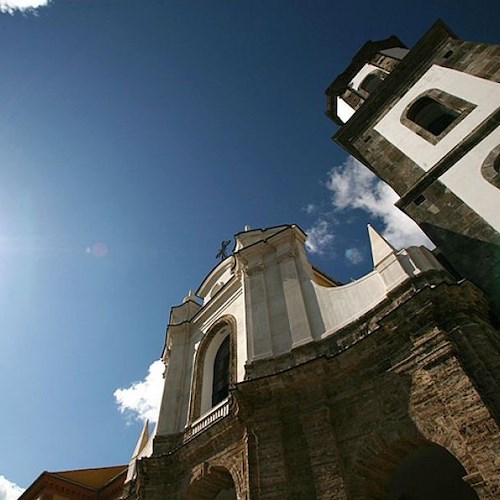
(371, 82)
(432, 115)
(220, 385)
(419, 199)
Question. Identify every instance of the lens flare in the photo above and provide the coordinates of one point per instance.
(97, 250)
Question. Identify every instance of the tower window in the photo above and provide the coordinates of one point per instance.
(372, 82)
(220, 384)
(434, 114)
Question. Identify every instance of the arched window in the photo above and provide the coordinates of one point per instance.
(215, 368)
(432, 115)
(220, 382)
(372, 81)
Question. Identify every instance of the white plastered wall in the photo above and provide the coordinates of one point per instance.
(341, 305)
(344, 110)
(464, 179)
(483, 93)
(229, 304)
(185, 342)
(363, 73)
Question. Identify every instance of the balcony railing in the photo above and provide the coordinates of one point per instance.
(205, 421)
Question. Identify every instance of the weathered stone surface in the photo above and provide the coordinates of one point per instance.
(337, 425)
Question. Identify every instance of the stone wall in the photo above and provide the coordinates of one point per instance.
(334, 421)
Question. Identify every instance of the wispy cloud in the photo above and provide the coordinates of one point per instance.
(11, 6)
(353, 186)
(319, 237)
(354, 256)
(9, 490)
(310, 208)
(141, 400)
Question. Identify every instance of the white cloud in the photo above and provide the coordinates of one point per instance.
(310, 208)
(10, 6)
(142, 399)
(352, 186)
(319, 236)
(354, 256)
(9, 490)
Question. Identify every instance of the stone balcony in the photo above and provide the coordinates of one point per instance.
(215, 414)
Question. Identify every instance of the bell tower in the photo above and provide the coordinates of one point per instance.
(427, 122)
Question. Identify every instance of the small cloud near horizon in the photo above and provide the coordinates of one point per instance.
(9, 490)
(11, 6)
(141, 400)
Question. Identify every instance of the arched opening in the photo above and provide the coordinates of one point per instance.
(221, 374)
(218, 484)
(215, 368)
(430, 472)
(372, 81)
(432, 115)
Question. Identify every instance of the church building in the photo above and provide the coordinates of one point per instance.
(281, 383)
(426, 121)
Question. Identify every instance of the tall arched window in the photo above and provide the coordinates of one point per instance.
(432, 115)
(220, 382)
(215, 368)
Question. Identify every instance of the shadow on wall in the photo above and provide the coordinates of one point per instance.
(430, 473)
(216, 485)
(392, 457)
(477, 260)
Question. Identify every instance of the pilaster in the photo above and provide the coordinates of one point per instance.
(300, 330)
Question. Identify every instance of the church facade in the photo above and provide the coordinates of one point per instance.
(281, 383)
(284, 384)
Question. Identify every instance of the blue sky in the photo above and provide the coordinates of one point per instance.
(134, 138)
